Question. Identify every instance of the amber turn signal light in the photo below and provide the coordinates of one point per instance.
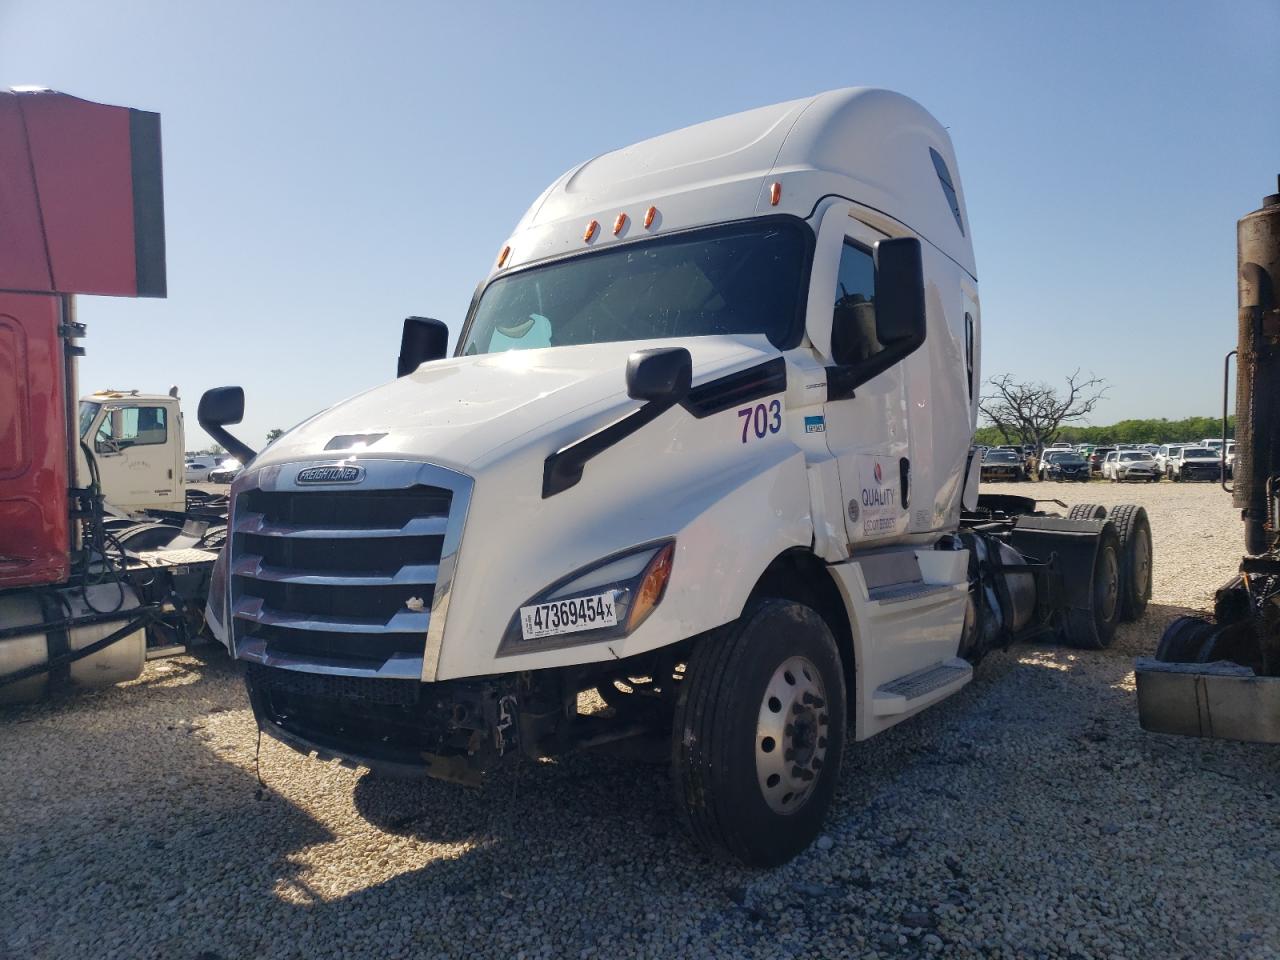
(652, 586)
(502, 257)
(648, 217)
(619, 224)
(775, 194)
(592, 227)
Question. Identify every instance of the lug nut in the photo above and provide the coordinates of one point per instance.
(797, 709)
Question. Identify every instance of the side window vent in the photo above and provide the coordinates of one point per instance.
(948, 188)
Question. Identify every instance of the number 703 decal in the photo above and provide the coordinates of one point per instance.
(762, 419)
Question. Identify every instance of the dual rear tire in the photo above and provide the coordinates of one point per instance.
(1121, 584)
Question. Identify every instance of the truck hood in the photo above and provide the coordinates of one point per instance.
(466, 411)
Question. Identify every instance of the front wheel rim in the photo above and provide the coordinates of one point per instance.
(792, 735)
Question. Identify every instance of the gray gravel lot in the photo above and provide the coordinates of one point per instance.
(1028, 816)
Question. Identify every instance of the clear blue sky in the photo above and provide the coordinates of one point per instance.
(333, 167)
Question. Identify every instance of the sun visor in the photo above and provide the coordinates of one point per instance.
(81, 197)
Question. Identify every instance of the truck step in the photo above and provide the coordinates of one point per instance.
(902, 592)
(922, 687)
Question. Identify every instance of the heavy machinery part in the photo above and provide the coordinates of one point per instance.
(1003, 597)
(1087, 511)
(1185, 640)
(1086, 555)
(67, 622)
(1257, 461)
(1221, 700)
(1134, 530)
(146, 536)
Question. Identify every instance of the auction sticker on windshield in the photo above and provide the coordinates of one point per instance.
(568, 616)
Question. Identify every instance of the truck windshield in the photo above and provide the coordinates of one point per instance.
(87, 413)
(735, 279)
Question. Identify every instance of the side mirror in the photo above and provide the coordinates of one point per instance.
(218, 408)
(867, 337)
(421, 340)
(900, 292)
(662, 375)
(221, 406)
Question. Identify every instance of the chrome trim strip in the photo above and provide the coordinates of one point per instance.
(381, 473)
(251, 566)
(417, 527)
(403, 621)
(399, 667)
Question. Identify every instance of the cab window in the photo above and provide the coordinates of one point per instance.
(132, 427)
(854, 315)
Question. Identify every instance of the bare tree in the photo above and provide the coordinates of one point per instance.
(1034, 412)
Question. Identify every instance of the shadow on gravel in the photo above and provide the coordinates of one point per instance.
(124, 833)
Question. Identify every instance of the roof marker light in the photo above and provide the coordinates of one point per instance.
(619, 224)
(592, 227)
(775, 194)
(502, 257)
(648, 217)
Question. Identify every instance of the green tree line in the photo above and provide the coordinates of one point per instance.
(1127, 431)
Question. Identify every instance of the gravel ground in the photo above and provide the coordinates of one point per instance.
(1028, 816)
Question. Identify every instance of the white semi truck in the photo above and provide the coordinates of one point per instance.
(704, 448)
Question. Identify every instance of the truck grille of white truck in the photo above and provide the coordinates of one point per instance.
(341, 578)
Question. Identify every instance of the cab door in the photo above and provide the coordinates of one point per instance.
(136, 466)
(867, 428)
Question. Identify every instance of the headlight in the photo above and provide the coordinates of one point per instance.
(607, 599)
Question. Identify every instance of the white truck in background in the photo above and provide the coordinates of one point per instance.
(704, 447)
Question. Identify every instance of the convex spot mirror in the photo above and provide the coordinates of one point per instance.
(662, 375)
(422, 339)
(869, 338)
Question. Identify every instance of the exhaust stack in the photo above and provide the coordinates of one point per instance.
(1257, 465)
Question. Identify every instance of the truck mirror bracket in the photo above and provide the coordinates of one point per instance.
(219, 407)
(563, 469)
(661, 377)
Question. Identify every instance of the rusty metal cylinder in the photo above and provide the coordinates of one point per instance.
(1258, 373)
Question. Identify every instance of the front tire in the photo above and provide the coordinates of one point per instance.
(759, 733)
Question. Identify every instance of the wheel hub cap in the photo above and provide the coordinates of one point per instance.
(791, 735)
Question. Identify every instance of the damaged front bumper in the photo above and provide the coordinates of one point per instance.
(454, 730)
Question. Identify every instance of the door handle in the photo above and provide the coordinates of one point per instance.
(904, 474)
(171, 473)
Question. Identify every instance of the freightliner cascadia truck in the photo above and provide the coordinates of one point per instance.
(703, 448)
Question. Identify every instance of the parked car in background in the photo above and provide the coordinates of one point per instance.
(1095, 459)
(1124, 465)
(1002, 464)
(1063, 465)
(1163, 456)
(1213, 443)
(1196, 463)
(198, 466)
(1231, 459)
(226, 471)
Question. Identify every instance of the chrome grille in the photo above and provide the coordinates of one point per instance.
(345, 579)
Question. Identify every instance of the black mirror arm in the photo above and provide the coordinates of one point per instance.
(563, 469)
(233, 446)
